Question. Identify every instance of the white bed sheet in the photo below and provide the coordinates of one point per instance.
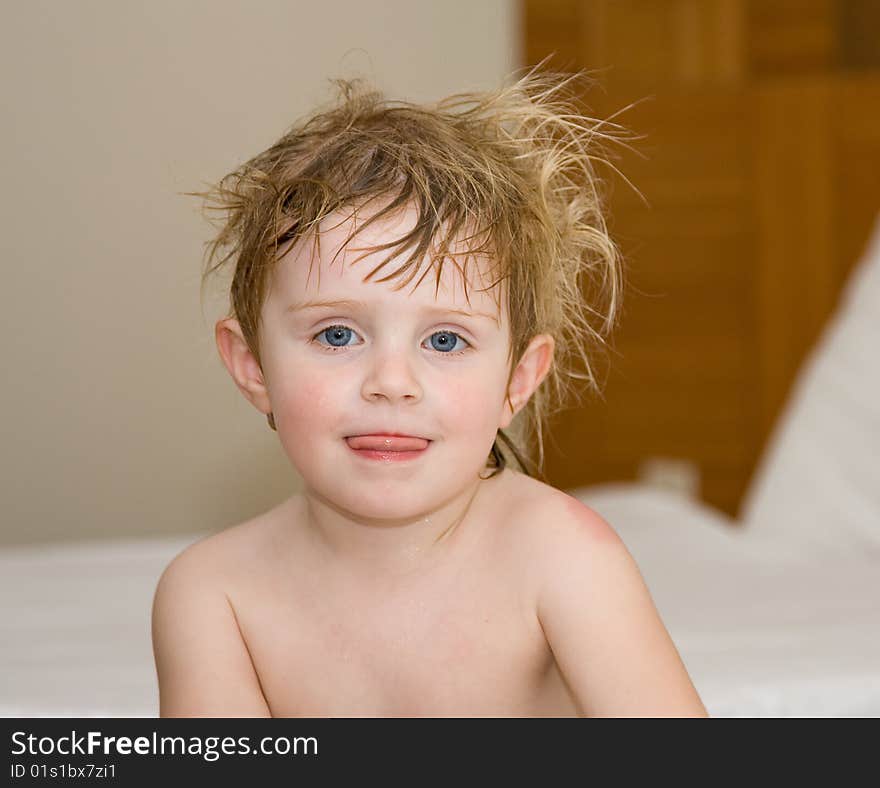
(76, 627)
(762, 630)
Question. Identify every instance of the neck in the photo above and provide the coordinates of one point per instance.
(388, 550)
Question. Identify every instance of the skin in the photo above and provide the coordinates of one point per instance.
(407, 589)
(385, 519)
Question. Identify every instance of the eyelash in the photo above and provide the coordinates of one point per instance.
(334, 349)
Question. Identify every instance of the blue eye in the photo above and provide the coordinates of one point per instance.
(337, 332)
(341, 334)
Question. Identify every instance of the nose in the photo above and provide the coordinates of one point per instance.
(391, 375)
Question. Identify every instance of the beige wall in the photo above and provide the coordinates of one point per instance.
(117, 416)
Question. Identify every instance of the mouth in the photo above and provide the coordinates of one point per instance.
(388, 447)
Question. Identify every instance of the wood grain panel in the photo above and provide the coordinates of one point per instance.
(684, 350)
(792, 36)
(856, 133)
(760, 150)
(688, 42)
(795, 211)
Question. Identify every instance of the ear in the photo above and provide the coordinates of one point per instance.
(241, 364)
(531, 370)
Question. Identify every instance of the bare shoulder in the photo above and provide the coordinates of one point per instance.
(537, 526)
(550, 520)
(219, 559)
(203, 664)
(573, 549)
(593, 606)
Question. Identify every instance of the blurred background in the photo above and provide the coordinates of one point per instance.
(759, 162)
(757, 158)
(118, 418)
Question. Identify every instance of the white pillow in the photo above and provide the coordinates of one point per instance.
(818, 484)
(665, 530)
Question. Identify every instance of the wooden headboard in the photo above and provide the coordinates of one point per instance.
(761, 172)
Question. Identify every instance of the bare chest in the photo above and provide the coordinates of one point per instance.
(452, 648)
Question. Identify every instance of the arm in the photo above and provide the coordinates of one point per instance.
(603, 628)
(202, 662)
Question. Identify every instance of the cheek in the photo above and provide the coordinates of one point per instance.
(303, 399)
(473, 403)
(306, 413)
(463, 401)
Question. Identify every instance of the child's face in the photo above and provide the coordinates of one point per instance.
(401, 363)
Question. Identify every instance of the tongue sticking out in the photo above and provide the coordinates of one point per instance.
(381, 443)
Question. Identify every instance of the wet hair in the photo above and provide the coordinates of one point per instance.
(508, 172)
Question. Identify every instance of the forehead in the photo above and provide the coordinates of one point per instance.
(333, 269)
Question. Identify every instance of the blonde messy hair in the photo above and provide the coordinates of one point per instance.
(510, 172)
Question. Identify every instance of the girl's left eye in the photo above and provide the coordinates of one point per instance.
(341, 334)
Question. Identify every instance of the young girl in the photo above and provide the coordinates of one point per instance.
(416, 573)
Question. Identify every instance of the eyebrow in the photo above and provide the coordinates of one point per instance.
(353, 304)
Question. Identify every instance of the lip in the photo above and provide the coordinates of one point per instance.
(386, 455)
(387, 435)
